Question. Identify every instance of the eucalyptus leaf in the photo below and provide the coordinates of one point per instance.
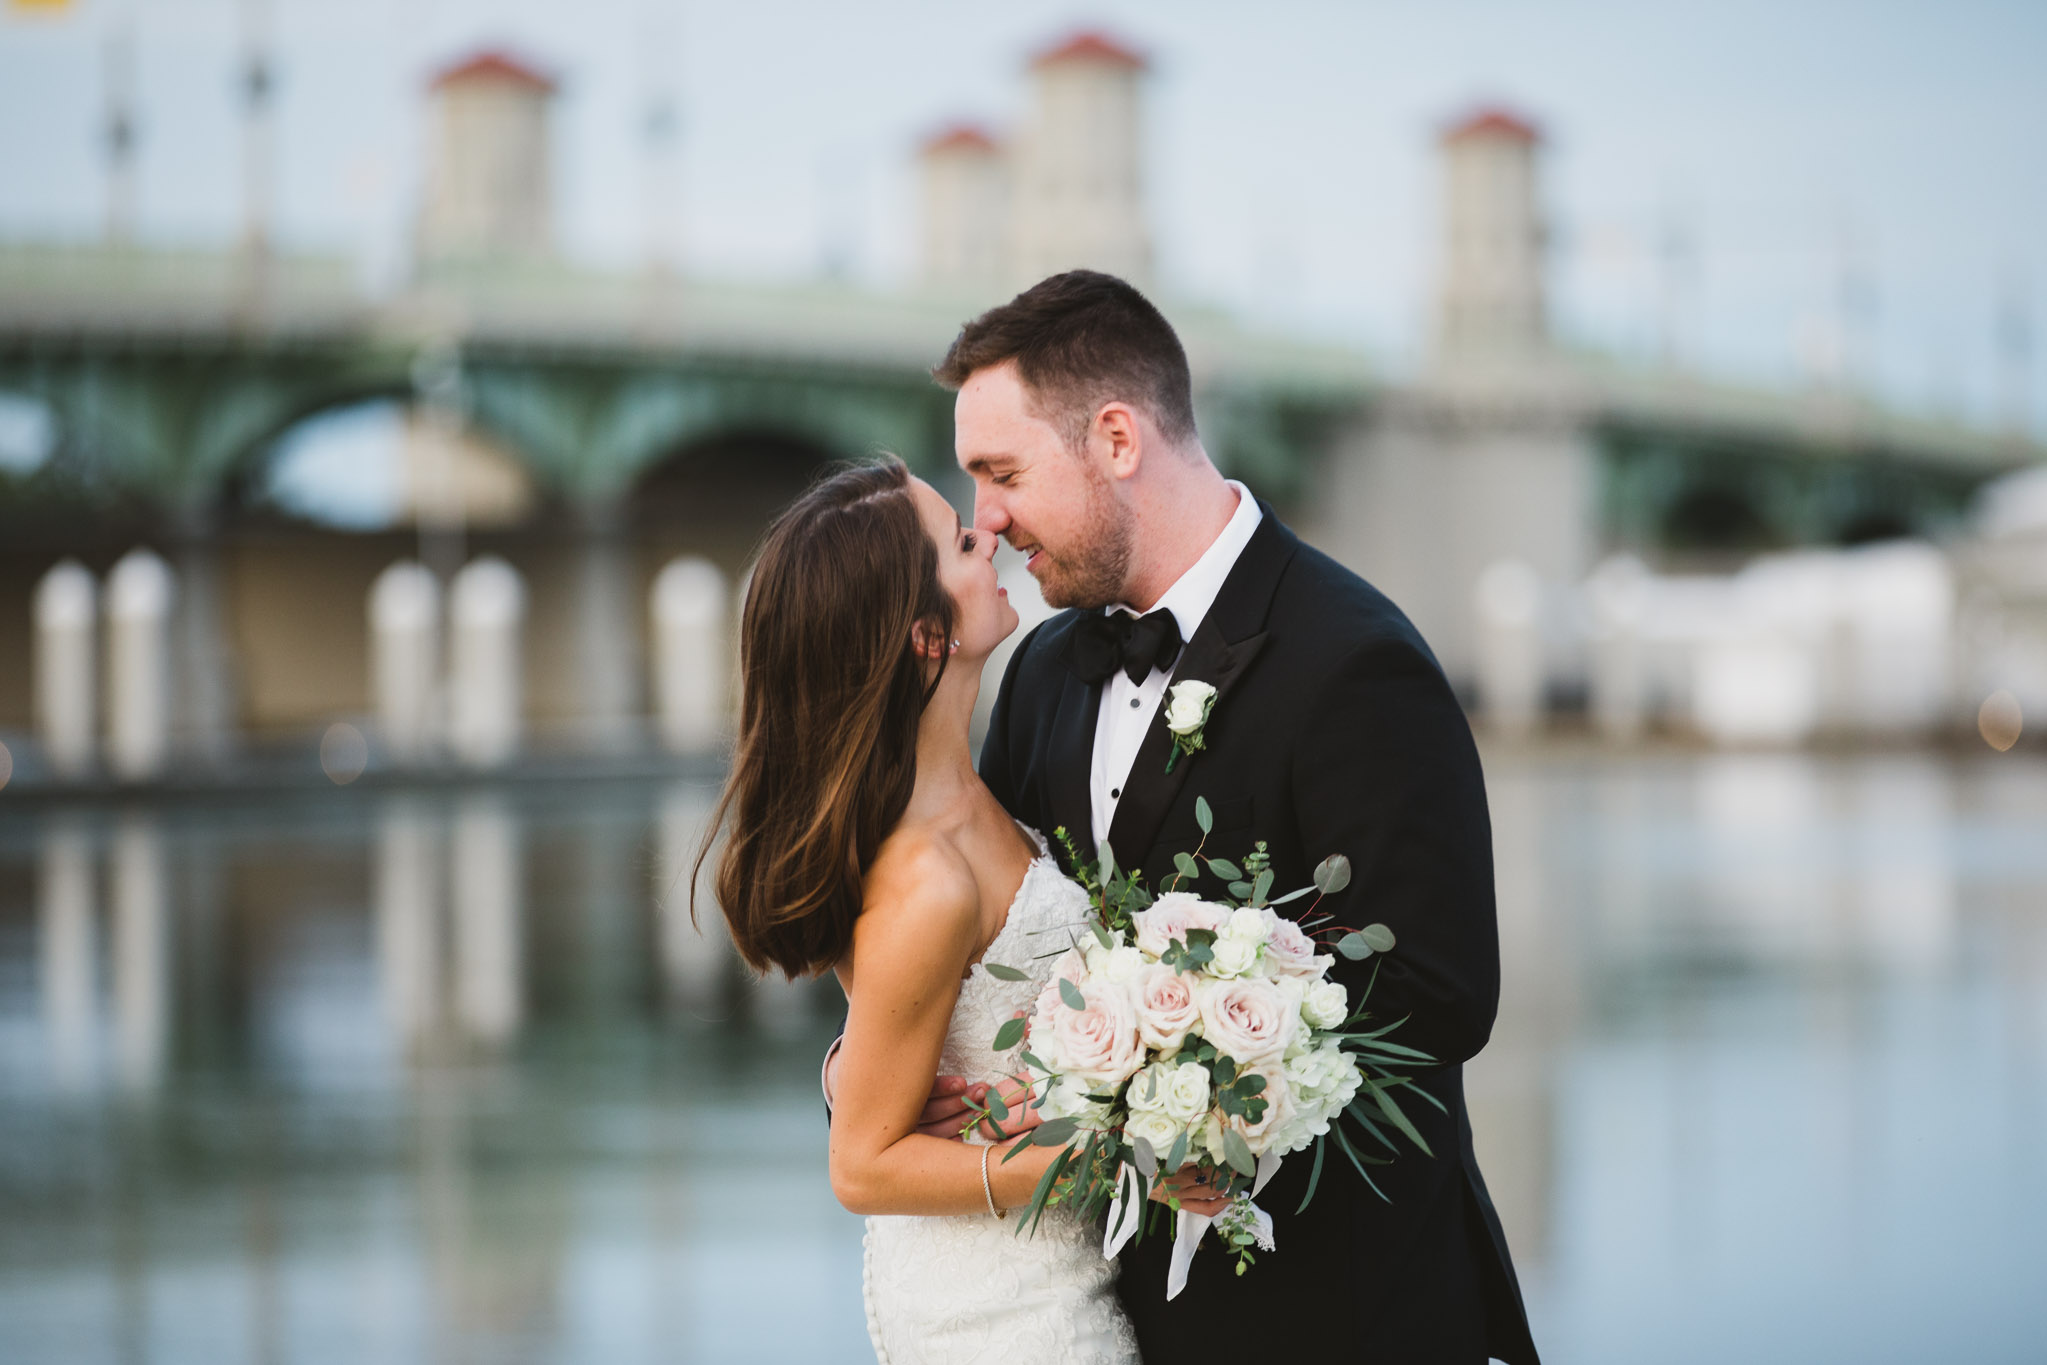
(1227, 870)
(1004, 973)
(1332, 874)
(1354, 947)
(1203, 816)
(1108, 863)
(1261, 886)
(1147, 1160)
(1240, 890)
(1009, 1035)
(1290, 896)
(1184, 861)
(1377, 937)
(1070, 993)
(1052, 1132)
(1238, 1153)
(1175, 1157)
(1102, 936)
(998, 1108)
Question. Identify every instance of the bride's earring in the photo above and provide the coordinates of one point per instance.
(955, 644)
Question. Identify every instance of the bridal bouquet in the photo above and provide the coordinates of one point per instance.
(1184, 1030)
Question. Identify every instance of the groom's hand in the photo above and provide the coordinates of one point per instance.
(1185, 1186)
(946, 1110)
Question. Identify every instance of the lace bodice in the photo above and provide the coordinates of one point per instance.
(1048, 915)
(952, 1290)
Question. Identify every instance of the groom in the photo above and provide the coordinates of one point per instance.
(1333, 731)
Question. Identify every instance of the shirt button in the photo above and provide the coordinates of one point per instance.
(1115, 793)
(1133, 703)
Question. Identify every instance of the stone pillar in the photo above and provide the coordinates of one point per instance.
(405, 628)
(696, 958)
(66, 630)
(607, 644)
(139, 598)
(1617, 597)
(69, 976)
(201, 658)
(1508, 600)
(485, 891)
(142, 977)
(407, 892)
(486, 610)
(691, 656)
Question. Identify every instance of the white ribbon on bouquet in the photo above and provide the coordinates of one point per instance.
(1126, 1211)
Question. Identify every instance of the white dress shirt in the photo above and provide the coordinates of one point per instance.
(1127, 707)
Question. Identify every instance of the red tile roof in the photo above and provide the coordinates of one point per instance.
(493, 64)
(1492, 121)
(1090, 45)
(961, 137)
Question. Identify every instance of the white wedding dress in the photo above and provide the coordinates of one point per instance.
(951, 1291)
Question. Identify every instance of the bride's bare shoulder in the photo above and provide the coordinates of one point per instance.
(921, 883)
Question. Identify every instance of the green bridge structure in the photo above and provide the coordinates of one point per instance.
(169, 379)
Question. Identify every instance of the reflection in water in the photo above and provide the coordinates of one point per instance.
(486, 890)
(69, 989)
(1767, 1081)
(141, 958)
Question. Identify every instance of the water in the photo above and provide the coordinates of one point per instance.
(446, 1076)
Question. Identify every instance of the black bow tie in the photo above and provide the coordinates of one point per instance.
(1103, 643)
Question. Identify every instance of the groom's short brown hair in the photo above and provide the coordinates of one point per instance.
(1080, 340)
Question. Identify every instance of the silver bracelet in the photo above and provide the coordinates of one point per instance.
(987, 1189)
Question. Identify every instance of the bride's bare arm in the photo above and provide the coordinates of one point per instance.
(913, 940)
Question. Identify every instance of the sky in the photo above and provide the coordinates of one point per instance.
(1784, 147)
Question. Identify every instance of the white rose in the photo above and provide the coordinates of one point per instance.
(1098, 1043)
(1187, 706)
(1170, 917)
(1327, 1005)
(1233, 957)
(1249, 926)
(1155, 1128)
(1249, 1021)
(1118, 966)
(1166, 1007)
(1290, 952)
(1183, 1092)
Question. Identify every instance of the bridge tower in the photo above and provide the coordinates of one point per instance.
(966, 209)
(1490, 294)
(1079, 182)
(489, 192)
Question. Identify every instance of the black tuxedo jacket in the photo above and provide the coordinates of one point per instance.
(1333, 731)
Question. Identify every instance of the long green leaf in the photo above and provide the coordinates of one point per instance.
(1260, 887)
(1441, 1108)
(1356, 1110)
(1314, 1174)
(1036, 1207)
(1052, 1132)
(1351, 1152)
(1392, 1112)
(1003, 973)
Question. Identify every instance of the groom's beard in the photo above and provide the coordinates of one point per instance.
(1091, 572)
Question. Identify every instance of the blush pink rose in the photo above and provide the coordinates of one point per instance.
(1290, 952)
(1171, 916)
(1099, 1044)
(1166, 1007)
(1250, 1020)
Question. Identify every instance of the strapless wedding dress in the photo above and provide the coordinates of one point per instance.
(951, 1291)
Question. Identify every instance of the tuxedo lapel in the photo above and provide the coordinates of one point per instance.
(1070, 757)
(1228, 639)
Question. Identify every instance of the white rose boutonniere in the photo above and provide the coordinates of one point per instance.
(1187, 706)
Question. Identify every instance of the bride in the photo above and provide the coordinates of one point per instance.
(858, 838)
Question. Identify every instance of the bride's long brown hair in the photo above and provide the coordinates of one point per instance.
(831, 692)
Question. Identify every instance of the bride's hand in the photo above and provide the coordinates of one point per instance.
(1185, 1185)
